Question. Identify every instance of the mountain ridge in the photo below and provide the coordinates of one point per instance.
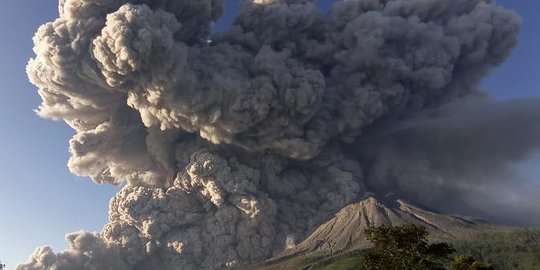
(344, 232)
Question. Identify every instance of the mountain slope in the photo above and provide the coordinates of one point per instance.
(343, 234)
(346, 230)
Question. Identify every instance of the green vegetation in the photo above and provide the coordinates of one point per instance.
(403, 247)
(505, 249)
(498, 249)
(462, 262)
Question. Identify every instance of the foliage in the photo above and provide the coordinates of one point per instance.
(502, 248)
(403, 247)
(509, 249)
(462, 262)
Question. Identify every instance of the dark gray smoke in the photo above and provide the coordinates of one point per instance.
(460, 158)
(233, 149)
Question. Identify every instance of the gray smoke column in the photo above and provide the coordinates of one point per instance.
(232, 150)
(460, 158)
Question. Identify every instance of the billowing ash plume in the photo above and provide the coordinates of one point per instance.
(460, 158)
(234, 149)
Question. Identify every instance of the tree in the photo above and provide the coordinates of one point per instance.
(403, 248)
(463, 262)
(2, 265)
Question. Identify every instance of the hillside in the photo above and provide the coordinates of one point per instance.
(337, 243)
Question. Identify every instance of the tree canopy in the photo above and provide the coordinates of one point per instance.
(462, 262)
(403, 247)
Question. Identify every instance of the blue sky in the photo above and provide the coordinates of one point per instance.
(40, 201)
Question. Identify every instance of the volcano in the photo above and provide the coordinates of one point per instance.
(343, 234)
(234, 147)
(345, 231)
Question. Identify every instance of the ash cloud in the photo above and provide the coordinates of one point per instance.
(461, 158)
(232, 150)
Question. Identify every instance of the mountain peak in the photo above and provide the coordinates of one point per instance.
(345, 230)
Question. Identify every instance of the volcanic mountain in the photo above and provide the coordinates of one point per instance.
(345, 231)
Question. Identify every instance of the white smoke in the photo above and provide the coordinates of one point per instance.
(233, 150)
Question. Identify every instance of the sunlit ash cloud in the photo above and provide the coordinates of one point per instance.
(235, 149)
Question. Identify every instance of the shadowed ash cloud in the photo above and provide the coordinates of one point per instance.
(461, 158)
(233, 149)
